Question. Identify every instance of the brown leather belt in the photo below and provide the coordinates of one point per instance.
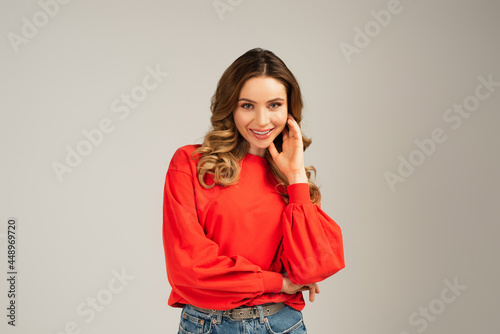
(245, 312)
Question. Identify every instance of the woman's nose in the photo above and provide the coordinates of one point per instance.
(261, 117)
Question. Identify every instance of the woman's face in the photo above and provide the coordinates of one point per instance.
(261, 113)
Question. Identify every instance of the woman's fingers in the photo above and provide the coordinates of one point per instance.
(294, 288)
(291, 127)
(274, 152)
(294, 127)
(312, 292)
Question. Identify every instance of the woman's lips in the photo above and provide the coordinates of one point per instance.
(261, 134)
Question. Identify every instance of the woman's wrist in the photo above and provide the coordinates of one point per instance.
(298, 193)
(297, 178)
(273, 281)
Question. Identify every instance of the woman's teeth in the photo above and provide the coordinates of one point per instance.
(261, 133)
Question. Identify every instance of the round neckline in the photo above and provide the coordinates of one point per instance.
(256, 158)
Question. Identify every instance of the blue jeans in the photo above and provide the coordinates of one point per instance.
(288, 320)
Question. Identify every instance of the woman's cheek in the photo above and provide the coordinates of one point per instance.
(280, 120)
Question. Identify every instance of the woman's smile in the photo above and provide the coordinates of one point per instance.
(261, 113)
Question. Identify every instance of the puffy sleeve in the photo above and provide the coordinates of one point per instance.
(195, 269)
(312, 248)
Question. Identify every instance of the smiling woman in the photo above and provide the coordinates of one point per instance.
(261, 113)
(226, 144)
(243, 230)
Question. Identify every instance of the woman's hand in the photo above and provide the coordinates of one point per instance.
(291, 160)
(291, 288)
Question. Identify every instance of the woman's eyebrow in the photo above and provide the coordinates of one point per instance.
(276, 99)
(273, 100)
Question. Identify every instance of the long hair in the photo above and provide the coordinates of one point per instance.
(223, 147)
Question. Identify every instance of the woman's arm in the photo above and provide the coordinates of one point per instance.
(312, 248)
(195, 269)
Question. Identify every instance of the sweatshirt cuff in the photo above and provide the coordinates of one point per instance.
(298, 193)
(273, 282)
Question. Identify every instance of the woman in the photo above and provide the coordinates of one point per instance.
(243, 230)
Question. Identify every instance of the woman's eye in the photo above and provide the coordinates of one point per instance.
(275, 105)
(246, 106)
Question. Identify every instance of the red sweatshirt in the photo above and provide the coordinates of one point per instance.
(227, 246)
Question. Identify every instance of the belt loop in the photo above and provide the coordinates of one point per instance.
(261, 313)
(219, 317)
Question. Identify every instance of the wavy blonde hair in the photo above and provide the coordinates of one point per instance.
(223, 147)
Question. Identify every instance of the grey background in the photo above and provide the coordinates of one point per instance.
(401, 245)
